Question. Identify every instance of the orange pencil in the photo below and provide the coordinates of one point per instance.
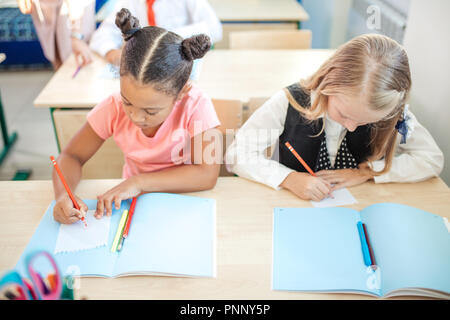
(305, 165)
(75, 203)
(291, 149)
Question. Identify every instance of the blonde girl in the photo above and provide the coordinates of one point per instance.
(349, 121)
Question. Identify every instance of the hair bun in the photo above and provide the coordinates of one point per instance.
(127, 23)
(196, 46)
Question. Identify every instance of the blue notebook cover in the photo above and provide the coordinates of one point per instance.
(169, 235)
(319, 249)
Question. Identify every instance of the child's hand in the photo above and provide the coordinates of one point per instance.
(125, 190)
(342, 178)
(306, 186)
(82, 53)
(64, 211)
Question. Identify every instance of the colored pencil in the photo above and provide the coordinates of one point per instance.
(304, 164)
(61, 177)
(119, 231)
(76, 72)
(130, 216)
(364, 246)
(127, 224)
(372, 255)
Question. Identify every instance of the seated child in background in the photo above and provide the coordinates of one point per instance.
(184, 17)
(349, 121)
(156, 115)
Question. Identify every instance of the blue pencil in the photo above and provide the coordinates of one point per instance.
(365, 247)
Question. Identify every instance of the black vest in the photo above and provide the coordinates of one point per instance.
(301, 134)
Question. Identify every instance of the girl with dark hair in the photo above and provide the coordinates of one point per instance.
(159, 120)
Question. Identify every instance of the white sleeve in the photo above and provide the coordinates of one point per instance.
(418, 159)
(203, 20)
(108, 36)
(76, 8)
(246, 155)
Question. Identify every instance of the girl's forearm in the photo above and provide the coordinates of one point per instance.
(178, 179)
(71, 170)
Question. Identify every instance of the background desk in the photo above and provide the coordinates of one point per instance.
(244, 236)
(244, 15)
(226, 74)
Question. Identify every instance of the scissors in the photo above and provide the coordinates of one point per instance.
(34, 288)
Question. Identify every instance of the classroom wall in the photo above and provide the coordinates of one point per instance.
(338, 32)
(328, 22)
(427, 42)
(321, 16)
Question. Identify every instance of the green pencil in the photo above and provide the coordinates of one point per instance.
(119, 231)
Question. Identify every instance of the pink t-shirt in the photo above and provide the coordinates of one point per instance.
(192, 115)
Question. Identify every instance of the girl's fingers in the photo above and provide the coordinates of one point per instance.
(325, 182)
(108, 206)
(84, 208)
(321, 173)
(318, 194)
(71, 220)
(333, 179)
(325, 177)
(75, 213)
(315, 197)
(78, 59)
(324, 188)
(338, 186)
(117, 202)
(100, 208)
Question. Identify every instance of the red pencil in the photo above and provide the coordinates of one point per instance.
(305, 165)
(130, 216)
(75, 203)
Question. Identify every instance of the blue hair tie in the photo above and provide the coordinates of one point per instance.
(402, 126)
(130, 33)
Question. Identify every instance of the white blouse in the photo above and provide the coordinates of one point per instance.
(418, 159)
(184, 17)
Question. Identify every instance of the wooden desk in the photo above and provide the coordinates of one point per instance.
(245, 74)
(225, 74)
(84, 91)
(244, 15)
(244, 236)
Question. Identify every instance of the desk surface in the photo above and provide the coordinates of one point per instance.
(259, 10)
(244, 236)
(245, 74)
(225, 74)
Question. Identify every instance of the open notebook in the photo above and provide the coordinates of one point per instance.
(170, 234)
(319, 249)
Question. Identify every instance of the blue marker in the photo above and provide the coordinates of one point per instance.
(365, 247)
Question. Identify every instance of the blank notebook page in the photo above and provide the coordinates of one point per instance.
(75, 237)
